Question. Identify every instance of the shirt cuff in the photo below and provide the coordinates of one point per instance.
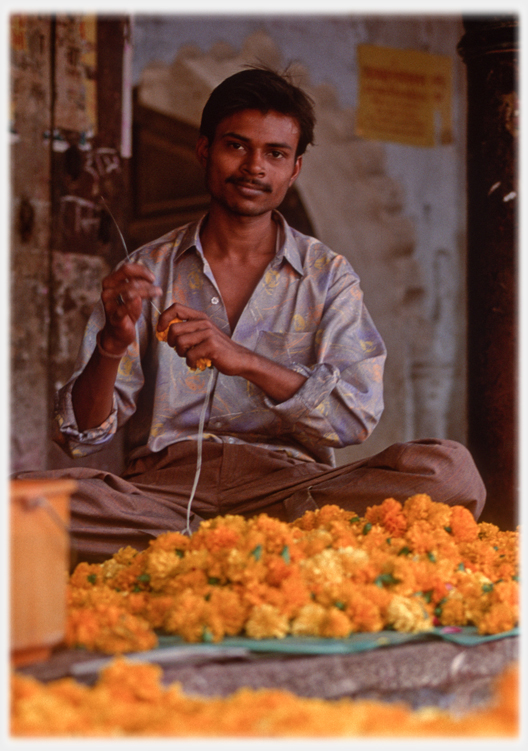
(76, 442)
(320, 382)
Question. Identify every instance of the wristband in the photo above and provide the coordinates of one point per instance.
(103, 352)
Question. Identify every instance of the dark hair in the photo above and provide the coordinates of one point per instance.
(259, 88)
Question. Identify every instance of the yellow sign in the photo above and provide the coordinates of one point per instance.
(404, 96)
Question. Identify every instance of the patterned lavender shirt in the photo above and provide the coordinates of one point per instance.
(306, 313)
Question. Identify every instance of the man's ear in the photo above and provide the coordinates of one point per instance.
(296, 170)
(202, 150)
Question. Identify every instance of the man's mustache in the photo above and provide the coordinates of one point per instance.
(250, 183)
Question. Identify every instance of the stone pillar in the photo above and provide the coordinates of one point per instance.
(490, 50)
(30, 111)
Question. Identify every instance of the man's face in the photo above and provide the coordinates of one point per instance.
(251, 162)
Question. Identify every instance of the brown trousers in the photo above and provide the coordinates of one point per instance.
(109, 512)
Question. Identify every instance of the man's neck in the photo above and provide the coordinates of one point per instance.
(238, 251)
(238, 237)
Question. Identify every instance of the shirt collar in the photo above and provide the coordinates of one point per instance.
(287, 250)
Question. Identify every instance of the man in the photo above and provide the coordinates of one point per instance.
(296, 362)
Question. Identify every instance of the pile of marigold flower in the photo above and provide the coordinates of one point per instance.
(130, 700)
(407, 567)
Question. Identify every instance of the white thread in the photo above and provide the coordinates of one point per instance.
(187, 529)
(205, 404)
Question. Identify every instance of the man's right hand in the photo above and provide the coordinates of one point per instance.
(123, 293)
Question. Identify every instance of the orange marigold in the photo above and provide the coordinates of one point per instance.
(463, 524)
(389, 514)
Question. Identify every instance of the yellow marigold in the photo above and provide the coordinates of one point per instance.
(421, 537)
(244, 568)
(499, 618)
(502, 612)
(332, 513)
(309, 620)
(170, 541)
(108, 629)
(439, 515)
(161, 565)
(194, 619)
(417, 508)
(453, 611)
(353, 560)
(325, 567)
(408, 614)
(423, 551)
(315, 541)
(266, 622)
(278, 535)
(343, 537)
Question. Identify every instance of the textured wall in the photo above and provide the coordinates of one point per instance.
(30, 237)
(65, 153)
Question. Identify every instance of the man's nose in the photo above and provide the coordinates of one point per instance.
(254, 162)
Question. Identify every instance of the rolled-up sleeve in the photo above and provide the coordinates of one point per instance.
(129, 381)
(341, 401)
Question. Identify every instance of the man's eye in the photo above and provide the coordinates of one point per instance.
(277, 154)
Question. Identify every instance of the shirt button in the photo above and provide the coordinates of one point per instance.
(215, 300)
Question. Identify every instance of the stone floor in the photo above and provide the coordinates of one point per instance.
(425, 673)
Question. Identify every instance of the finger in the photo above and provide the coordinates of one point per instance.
(177, 310)
(127, 272)
(128, 291)
(187, 334)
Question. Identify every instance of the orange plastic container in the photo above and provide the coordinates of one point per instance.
(39, 563)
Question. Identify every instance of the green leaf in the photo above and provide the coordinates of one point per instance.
(431, 556)
(367, 528)
(385, 579)
(285, 553)
(144, 578)
(213, 580)
(404, 551)
(207, 636)
(257, 552)
(487, 587)
(179, 553)
(92, 578)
